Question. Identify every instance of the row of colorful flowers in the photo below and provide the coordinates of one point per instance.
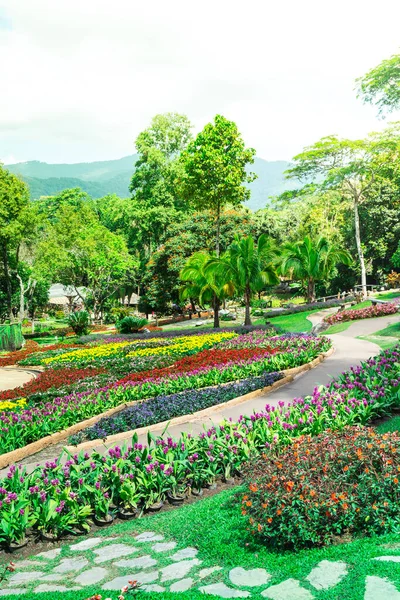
(21, 427)
(64, 497)
(182, 345)
(378, 310)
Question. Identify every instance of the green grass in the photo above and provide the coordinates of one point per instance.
(388, 295)
(294, 323)
(392, 424)
(216, 527)
(338, 327)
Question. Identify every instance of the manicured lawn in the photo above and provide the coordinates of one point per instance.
(392, 424)
(388, 295)
(215, 526)
(295, 323)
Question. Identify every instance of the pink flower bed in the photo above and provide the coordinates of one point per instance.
(379, 310)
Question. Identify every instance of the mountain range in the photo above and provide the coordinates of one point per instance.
(113, 177)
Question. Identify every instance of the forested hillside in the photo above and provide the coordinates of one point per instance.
(113, 177)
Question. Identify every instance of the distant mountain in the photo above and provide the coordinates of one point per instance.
(113, 176)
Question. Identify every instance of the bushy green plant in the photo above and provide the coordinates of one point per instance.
(131, 324)
(79, 322)
(319, 488)
(118, 313)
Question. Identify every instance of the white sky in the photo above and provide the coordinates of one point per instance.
(81, 78)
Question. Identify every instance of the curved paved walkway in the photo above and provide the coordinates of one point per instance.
(349, 351)
(11, 377)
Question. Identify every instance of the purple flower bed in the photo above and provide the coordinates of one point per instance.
(163, 408)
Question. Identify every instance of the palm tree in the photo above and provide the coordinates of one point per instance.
(311, 260)
(202, 284)
(248, 266)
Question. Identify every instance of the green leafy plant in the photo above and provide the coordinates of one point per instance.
(79, 322)
(131, 324)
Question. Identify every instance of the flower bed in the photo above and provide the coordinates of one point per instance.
(322, 487)
(30, 423)
(379, 310)
(48, 380)
(163, 408)
(60, 498)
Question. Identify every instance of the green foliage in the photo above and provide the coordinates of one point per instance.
(215, 169)
(157, 171)
(77, 250)
(322, 487)
(247, 267)
(131, 324)
(311, 260)
(79, 322)
(381, 85)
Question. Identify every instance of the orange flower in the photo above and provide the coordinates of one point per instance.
(279, 512)
(264, 504)
(253, 487)
(269, 520)
(248, 503)
(313, 493)
(345, 506)
(259, 527)
(346, 468)
(395, 480)
(289, 486)
(374, 507)
(366, 470)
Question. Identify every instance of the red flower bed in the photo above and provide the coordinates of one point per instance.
(211, 358)
(378, 310)
(48, 380)
(30, 348)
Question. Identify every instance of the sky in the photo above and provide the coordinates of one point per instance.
(81, 78)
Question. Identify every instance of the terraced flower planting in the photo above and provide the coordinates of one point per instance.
(80, 383)
(61, 498)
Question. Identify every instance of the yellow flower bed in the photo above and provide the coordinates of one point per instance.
(12, 404)
(181, 345)
(185, 344)
(102, 351)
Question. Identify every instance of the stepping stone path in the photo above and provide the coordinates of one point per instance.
(327, 574)
(161, 566)
(251, 578)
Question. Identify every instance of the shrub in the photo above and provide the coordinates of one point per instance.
(131, 324)
(79, 322)
(118, 313)
(393, 279)
(322, 487)
(378, 310)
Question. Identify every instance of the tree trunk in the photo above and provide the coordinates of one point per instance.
(247, 298)
(7, 280)
(359, 248)
(216, 304)
(21, 298)
(310, 291)
(218, 224)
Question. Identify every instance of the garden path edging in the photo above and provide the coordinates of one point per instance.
(30, 449)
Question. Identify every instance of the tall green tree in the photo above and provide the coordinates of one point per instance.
(311, 260)
(78, 251)
(215, 170)
(247, 266)
(17, 223)
(351, 167)
(156, 201)
(381, 85)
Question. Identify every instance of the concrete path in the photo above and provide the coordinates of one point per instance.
(11, 378)
(349, 351)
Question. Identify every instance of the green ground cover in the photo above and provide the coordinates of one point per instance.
(392, 424)
(225, 542)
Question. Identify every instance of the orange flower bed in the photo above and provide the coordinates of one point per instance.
(319, 488)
